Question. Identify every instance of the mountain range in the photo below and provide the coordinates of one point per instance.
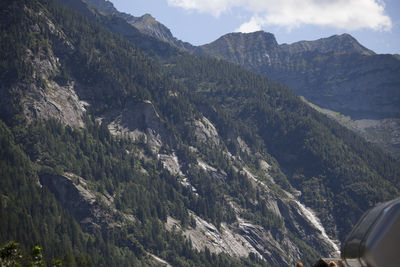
(122, 146)
(337, 75)
(349, 82)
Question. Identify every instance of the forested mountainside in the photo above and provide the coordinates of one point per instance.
(120, 150)
(337, 75)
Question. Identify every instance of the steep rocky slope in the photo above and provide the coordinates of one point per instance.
(177, 158)
(145, 24)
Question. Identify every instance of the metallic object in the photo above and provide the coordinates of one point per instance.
(375, 240)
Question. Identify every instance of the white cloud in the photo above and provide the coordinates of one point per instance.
(343, 14)
(214, 7)
(253, 25)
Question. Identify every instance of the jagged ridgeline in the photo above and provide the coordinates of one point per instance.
(120, 150)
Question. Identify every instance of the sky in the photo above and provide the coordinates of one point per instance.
(374, 23)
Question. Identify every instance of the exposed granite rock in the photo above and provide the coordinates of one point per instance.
(297, 217)
(104, 6)
(241, 238)
(73, 194)
(207, 235)
(158, 261)
(150, 26)
(213, 172)
(54, 101)
(171, 163)
(138, 120)
(205, 131)
(44, 96)
(243, 146)
(384, 133)
(269, 244)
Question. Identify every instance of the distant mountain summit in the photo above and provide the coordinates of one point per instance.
(234, 44)
(146, 24)
(260, 52)
(340, 44)
(251, 50)
(104, 6)
(335, 73)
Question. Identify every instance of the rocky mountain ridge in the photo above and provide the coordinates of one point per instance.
(145, 24)
(335, 73)
(337, 44)
(161, 147)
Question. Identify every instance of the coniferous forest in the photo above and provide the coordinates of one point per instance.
(120, 150)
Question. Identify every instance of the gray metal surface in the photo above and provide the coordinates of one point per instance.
(375, 240)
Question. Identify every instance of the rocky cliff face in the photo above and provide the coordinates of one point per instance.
(150, 26)
(145, 24)
(46, 94)
(258, 49)
(137, 121)
(88, 207)
(237, 239)
(140, 120)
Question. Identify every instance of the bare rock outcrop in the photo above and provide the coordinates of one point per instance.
(54, 101)
(91, 210)
(206, 132)
(47, 95)
(138, 120)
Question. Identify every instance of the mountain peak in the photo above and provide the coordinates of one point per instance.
(258, 36)
(347, 43)
(241, 48)
(244, 42)
(146, 24)
(104, 6)
(148, 18)
(340, 44)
